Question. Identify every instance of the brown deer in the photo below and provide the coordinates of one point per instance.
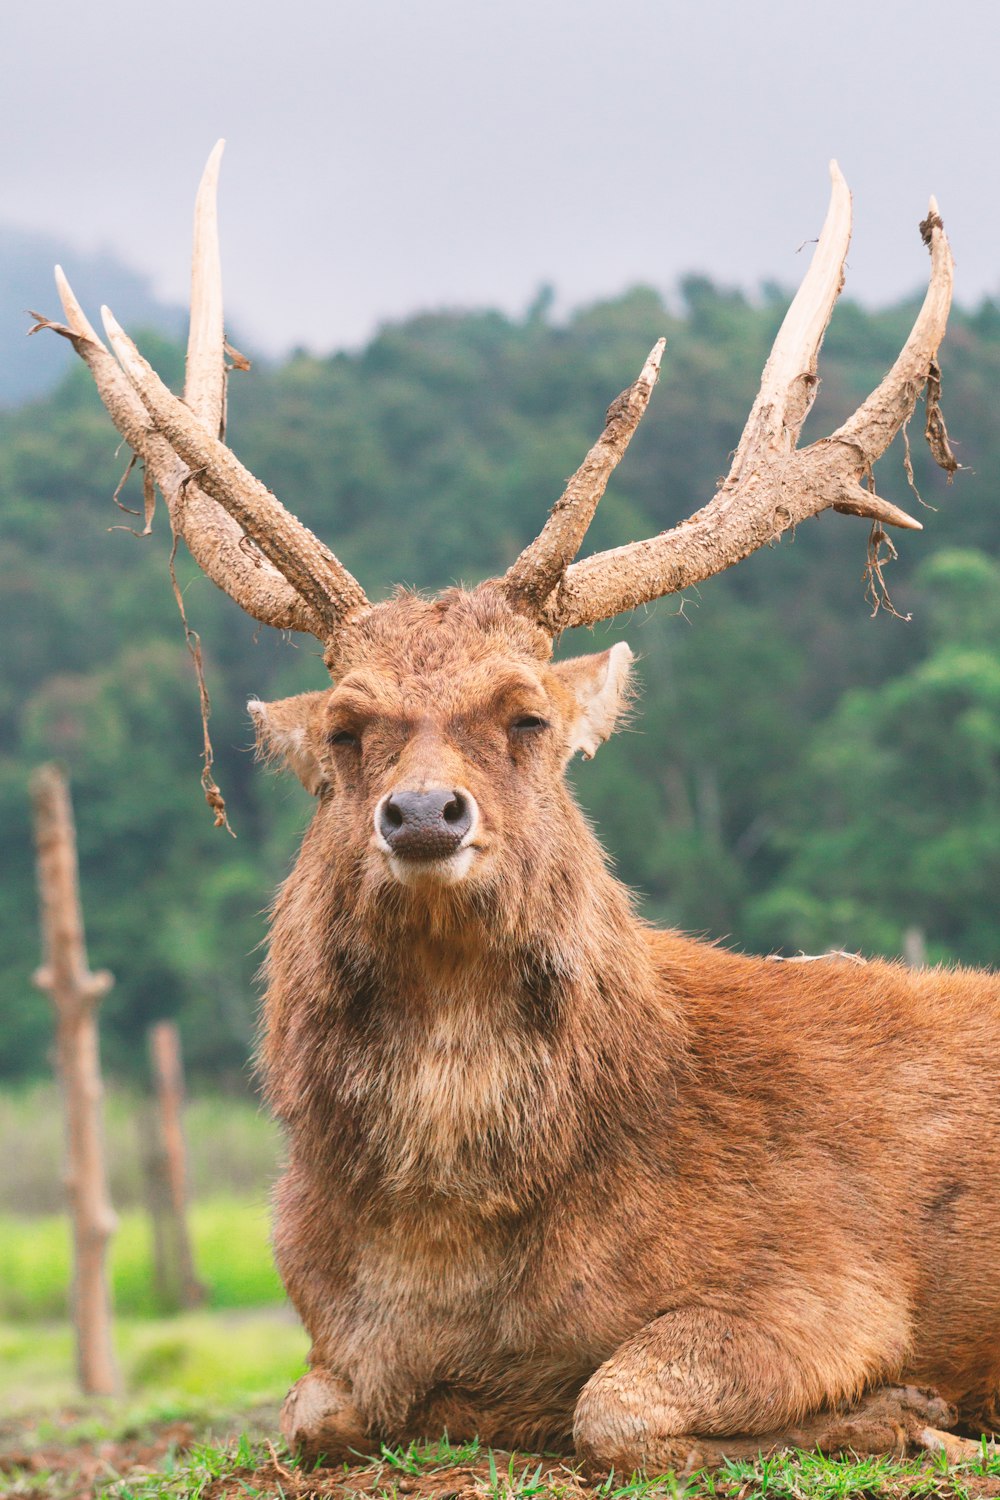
(555, 1177)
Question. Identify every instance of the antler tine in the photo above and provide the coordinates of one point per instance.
(874, 425)
(771, 485)
(213, 538)
(79, 323)
(205, 381)
(789, 383)
(314, 573)
(530, 580)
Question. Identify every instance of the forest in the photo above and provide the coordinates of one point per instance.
(799, 774)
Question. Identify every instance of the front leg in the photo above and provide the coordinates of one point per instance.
(319, 1419)
(697, 1386)
(695, 1370)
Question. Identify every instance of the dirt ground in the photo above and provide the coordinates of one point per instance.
(474, 1482)
(77, 1469)
(54, 1458)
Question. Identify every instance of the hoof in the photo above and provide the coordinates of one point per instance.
(891, 1420)
(319, 1420)
(679, 1456)
(610, 1436)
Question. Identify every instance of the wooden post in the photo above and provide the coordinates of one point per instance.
(166, 1171)
(915, 948)
(75, 994)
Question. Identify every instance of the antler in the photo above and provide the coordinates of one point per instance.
(772, 486)
(238, 533)
(529, 581)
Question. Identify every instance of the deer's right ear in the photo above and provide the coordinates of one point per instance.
(286, 731)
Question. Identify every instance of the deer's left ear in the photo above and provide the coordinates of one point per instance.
(600, 686)
(286, 732)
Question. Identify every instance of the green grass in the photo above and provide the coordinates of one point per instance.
(230, 1141)
(792, 1476)
(258, 1470)
(224, 1370)
(192, 1380)
(199, 1362)
(231, 1250)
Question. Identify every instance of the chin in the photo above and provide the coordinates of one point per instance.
(428, 874)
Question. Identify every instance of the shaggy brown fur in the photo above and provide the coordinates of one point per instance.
(556, 1177)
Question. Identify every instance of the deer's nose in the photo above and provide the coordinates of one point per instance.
(425, 825)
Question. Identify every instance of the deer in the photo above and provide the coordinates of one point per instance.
(556, 1178)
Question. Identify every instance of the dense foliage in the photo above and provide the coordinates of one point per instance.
(798, 775)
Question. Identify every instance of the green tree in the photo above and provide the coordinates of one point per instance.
(900, 825)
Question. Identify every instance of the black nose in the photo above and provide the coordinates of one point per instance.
(425, 825)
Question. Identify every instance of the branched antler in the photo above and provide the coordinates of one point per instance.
(311, 569)
(279, 572)
(771, 485)
(288, 579)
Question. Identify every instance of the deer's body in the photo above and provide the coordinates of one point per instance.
(553, 1175)
(805, 1146)
(523, 1126)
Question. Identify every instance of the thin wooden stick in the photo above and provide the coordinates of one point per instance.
(179, 1284)
(75, 993)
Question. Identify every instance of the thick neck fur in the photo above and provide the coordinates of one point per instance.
(464, 1047)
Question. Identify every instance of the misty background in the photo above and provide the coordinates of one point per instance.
(389, 156)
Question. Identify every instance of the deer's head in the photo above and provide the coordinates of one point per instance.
(438, 753)
(440, 750)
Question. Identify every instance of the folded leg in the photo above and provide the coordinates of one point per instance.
(697, 1386)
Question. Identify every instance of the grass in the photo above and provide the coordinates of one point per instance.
(200, 1422)
(230, 1141)
(244, 1469)
(260, 1470)
(202, 1390)
(217, 1361)
(231, 1250)
(197, 1362)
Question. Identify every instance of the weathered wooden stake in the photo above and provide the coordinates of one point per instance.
(166, 1168)
(915, 947)
(75, 993)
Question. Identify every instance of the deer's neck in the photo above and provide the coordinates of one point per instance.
(470, 1058)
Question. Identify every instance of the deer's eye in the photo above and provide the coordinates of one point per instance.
(344, 737)
(528, 724)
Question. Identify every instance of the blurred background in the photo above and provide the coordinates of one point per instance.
(451, 234)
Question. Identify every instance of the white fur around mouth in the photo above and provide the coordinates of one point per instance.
(447, 871)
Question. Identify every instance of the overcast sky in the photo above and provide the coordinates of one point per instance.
(388, 155)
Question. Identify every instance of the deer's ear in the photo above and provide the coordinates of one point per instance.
(600, 686)
(286, 731)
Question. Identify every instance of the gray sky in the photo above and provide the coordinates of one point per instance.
(385, 155)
